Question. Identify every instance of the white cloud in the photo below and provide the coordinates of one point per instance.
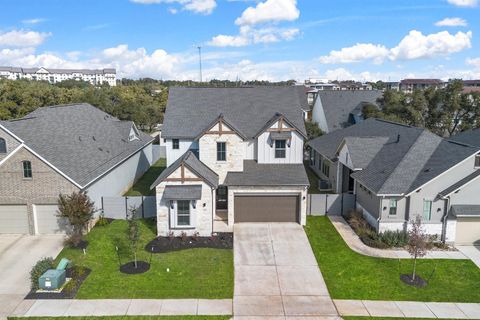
(22, 38)
(197, 6)
(356, 53)
(451, 22)
(34, 21)
(249, 35)
(463, 3)
(269, 11)
(475, 62)
(413, 46)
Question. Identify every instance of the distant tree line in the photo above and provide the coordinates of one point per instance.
(443, 111)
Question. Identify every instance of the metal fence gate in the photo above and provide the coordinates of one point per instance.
(120, 207)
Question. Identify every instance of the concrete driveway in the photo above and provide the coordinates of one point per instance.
(472, 252)
(18, 253)
(276, 273)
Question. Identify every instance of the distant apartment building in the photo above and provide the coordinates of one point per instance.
(95, 76)
(392, 85)
(409, 85)
(471, 83)
(322, 84)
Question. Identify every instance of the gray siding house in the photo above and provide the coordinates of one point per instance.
(335, 110)
(60, 149)
(398, 172)
(233, 155)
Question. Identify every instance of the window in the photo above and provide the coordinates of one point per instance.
(427, 210)
(175, 144)
(325, 168)
(393, 208)
(221, 151)
(183, 213)
(27, 169)
(280, 151)
(3, 146)
(477, 157)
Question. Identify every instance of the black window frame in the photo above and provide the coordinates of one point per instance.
(175, 144)
(280, 152)
(27, 169)
(221, 151)
(3, 146)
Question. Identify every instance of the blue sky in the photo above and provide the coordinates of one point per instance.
(264, 39)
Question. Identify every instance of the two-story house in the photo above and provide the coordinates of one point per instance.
(233, 155)
(398, 172)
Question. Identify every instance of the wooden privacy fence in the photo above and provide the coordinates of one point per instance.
(330, 204)
(119, 207)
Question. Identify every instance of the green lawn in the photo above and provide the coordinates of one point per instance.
(129, 318)
(142, 187)
(194, 273)
(350, 275)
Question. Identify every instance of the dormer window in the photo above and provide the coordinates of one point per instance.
(280, 149)
(133, 134)
(3, 146)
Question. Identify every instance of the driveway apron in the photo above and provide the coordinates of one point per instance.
(276, 273)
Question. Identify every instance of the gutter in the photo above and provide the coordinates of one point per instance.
(444, 224)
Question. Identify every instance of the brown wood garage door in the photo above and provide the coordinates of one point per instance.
(266, 208)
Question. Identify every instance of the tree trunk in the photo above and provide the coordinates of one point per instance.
(135, 255)
(414, 268)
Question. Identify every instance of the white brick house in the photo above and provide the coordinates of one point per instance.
(234, 155)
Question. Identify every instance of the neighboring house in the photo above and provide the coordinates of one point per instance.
(95, 77)
(397, 172)
(233, 155)
(334, 110)
(409, 85)
(60, 149)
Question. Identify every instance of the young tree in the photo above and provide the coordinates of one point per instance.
(417, 243)
(78, 209)
(313, 130)
(133, 232)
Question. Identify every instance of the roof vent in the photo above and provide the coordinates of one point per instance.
(427, 170)
(79, 138)
(398, 138)
(93, 138)
(100, 149)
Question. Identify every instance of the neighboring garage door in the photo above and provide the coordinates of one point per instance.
(47, 220)
(13, 219)
(282, 208)
(468, 231)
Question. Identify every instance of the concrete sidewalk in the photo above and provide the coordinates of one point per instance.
(408, 309)
(354, 242)
(121, 307)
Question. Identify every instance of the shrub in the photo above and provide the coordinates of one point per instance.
(360, 225)
(69, 288)
(102, 221)
(38, 269)
(394, 238)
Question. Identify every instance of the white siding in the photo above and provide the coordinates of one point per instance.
(318, 115)
(345, 158)
(266, 149)
(119, 180)
(174, 154)
(250, 150)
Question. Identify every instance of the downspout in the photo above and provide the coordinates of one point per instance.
(380, 214)
(213, 210)
(445, 214)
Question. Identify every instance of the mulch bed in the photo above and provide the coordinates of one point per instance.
(418, 282)
(222, 240)
(129, 267)
(78, 275)
(81, 245)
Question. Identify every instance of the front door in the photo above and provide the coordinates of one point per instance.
(222, 198)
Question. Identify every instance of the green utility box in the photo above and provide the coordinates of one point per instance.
(52, 279)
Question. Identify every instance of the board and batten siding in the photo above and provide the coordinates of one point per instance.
(266, 148)
(174, 154)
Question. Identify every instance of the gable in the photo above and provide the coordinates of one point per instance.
(8, 142)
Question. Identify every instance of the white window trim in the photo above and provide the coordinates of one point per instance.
(173, 215)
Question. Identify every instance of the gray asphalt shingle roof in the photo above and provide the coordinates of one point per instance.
(338, 105)
(363, 149)
(465, 210)
(408, 159)
(80, 140)
(183, 192)
(255, 174)
(471, 137)
(190, 110)
(192, 163)
(454, 187)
